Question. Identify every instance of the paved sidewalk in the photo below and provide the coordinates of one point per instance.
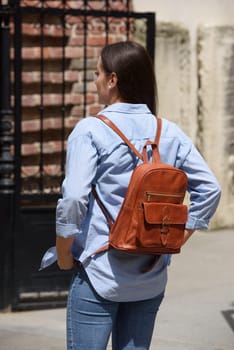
(197, 313)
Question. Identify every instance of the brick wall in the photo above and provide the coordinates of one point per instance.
(53, 77)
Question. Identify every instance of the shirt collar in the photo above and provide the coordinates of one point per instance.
(130, 108)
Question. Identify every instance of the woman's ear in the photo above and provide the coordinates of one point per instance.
(113, 80)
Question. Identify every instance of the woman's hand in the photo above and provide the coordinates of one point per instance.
(64, 255)
(187, 234)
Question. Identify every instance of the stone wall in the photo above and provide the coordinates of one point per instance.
(173, 74)
(212, 130)
(216, 111)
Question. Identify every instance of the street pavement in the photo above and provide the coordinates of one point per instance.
(197, 312)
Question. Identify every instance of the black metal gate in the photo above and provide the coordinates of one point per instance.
(48, 53)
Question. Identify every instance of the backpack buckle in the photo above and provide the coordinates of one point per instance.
(164, 230)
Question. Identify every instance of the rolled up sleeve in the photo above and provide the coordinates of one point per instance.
(204, 190)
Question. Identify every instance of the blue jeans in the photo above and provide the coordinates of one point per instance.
(91, 319)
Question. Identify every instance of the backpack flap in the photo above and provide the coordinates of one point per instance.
(165, 213)
(164, 226)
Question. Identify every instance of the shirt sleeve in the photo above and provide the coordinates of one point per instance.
(204, 190)
(80, 171)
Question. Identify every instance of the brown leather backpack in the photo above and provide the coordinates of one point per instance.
(152, 217)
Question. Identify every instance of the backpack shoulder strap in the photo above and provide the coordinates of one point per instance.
(123, 137)
(159, 129)
(102, 207)
(154, 145)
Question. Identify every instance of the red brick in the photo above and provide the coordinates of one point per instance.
(71, 121)
(30, 170)
(48, 148)
(93, 110)
(53, 30)
(76, 40)
(76, 4)
(91, 87)
(52, 123)
(52, 77)
(52, 169)
(96, 40)
(90, 98)
(30, 149)
(77, 111)
(52, 146)
(33, 53)
(30, 125)
(50, 100)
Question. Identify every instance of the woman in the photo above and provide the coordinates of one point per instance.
(109, 293)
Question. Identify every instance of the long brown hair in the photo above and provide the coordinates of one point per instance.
(134, 69)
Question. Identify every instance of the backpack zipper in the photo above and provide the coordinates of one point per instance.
(158, 194)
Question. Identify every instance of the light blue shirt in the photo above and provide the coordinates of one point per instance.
(96, 155)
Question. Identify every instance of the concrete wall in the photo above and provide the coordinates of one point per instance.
(216, 112)
(173, 69)
(195, 72)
